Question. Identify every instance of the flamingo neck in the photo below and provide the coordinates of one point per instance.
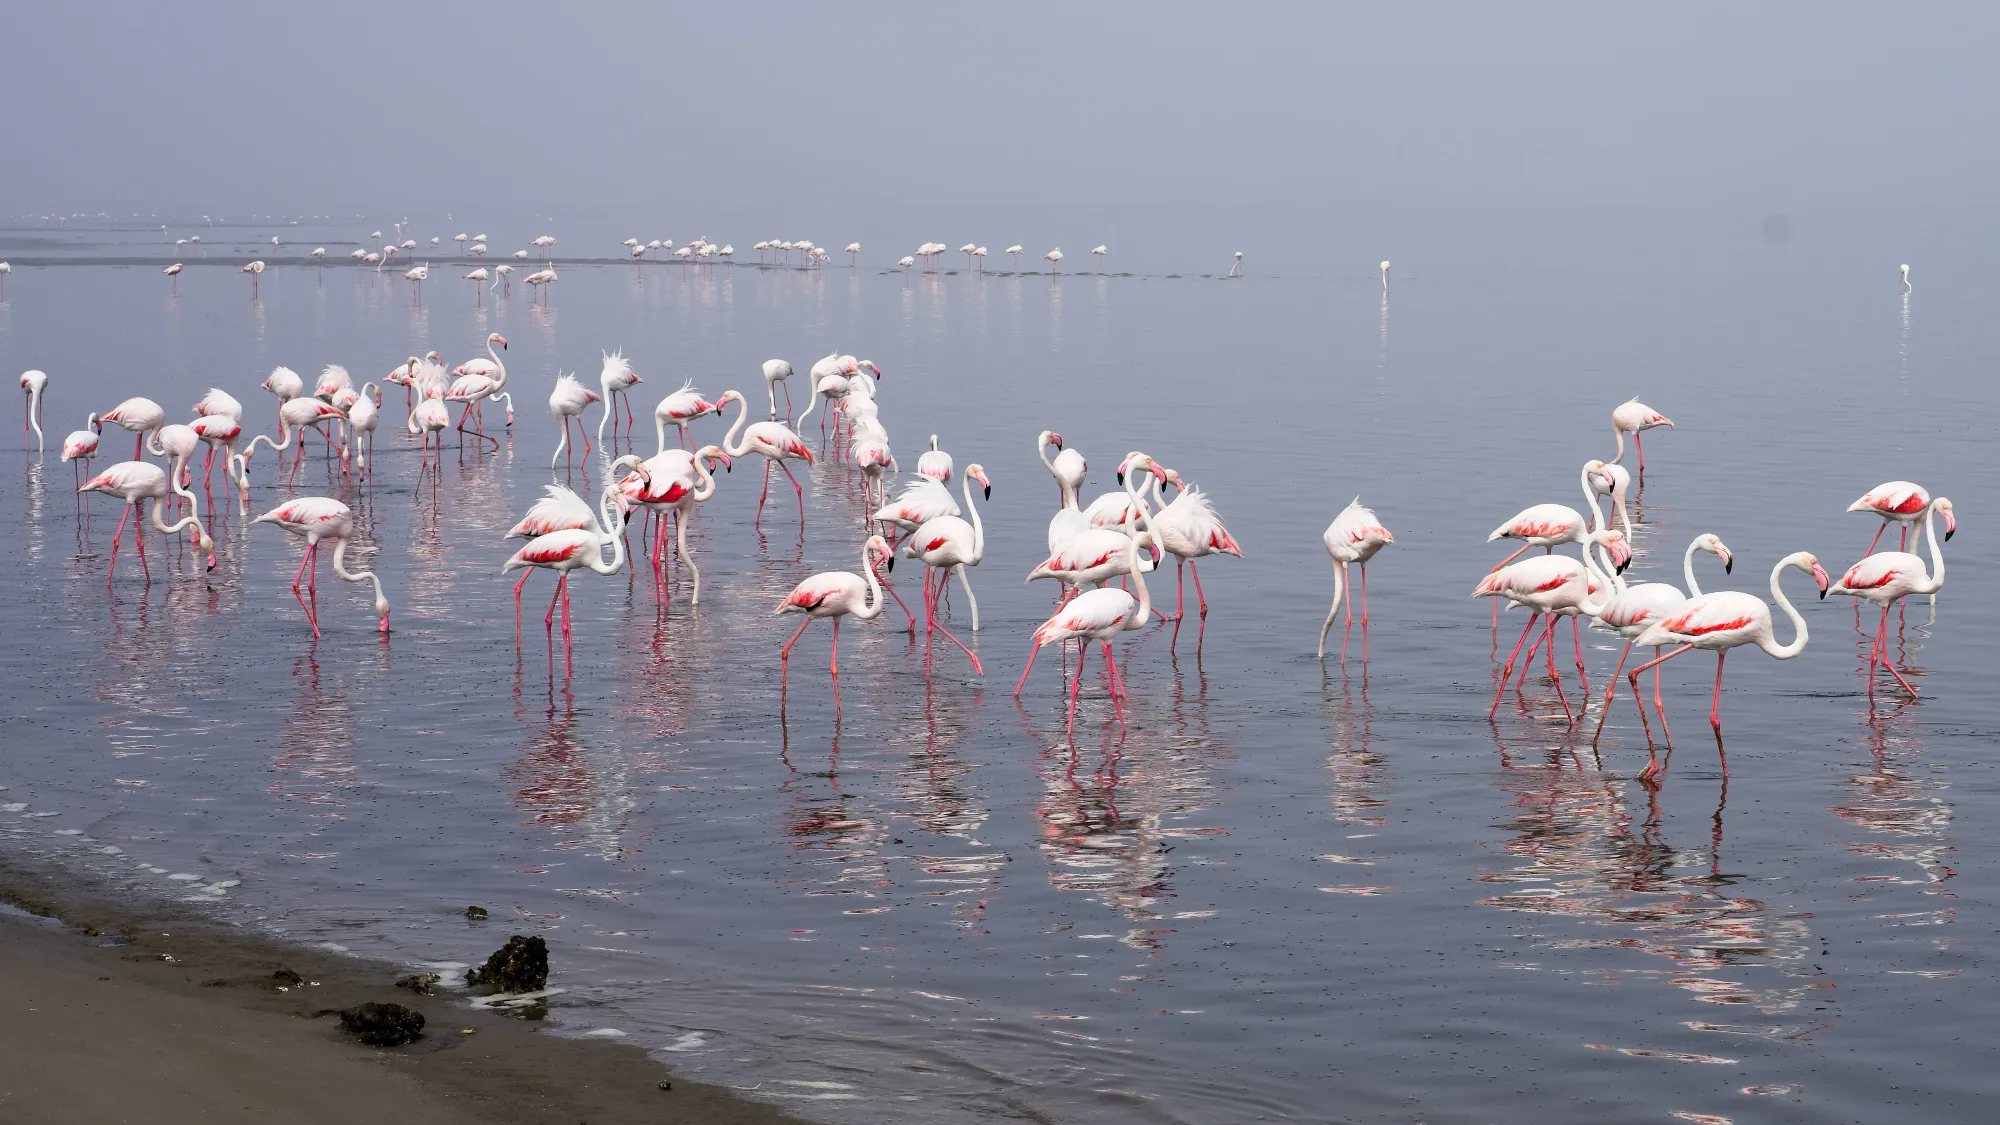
(729, 442)
(1769, 641)
(1607, 583)
(1936, 580)
(1687, 570)
(1620, 435)
(978, 528)
(607, 511)
(705, 486)
(876, 602)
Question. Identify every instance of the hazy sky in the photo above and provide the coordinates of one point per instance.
(369, 106)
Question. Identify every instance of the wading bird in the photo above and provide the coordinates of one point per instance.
(317, 519)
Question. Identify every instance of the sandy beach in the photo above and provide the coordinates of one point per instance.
(123, 1011)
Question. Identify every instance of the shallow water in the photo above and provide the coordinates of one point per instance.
(1278, 892)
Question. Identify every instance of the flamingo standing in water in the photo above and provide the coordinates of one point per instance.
(948, 543)
(142, 416)
(1887, 578)
(1633, 417)
(255, 270)
(317, 519)
(1636, 608)
(1354, 537)
(362, 418)
(1896, 501)
(1548, 526)
(835, 594)
(1097, 616)
(935, 463)
(567, 550)
(293, 418)
(566, 401)
(779, 371)
(418, 274)
(285, 384)
(672, 481)
(1068, 466)
(477, 385)
(774, 441)
(220, 432)
(616, 378)
(33, 384)
(1556, 586)
(135, 482)
(81, 447)
(1187, 529)
(922, 500)
(679, 409)
(173, 273)
(1092, 556)
(1719, 622)
(429, 416)
(1054, 259)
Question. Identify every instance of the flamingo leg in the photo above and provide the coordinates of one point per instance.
(1332, 611)
(961, 645)
(1075, 688)
(1632, 678)
(139, 536)
(1555, 620)
(113, 567)
(1117, 695)
(517, 605)
(562, 584)
(798, 488)
(1507, 671)
(1180, 585)
(1642, 456)
(785, 654)
(833, 665)
(549, 623)
(1018, 684)
(1872, 542)
(1610, 695)
(1203, 598)
(681, 536)
(1883, 641)
(1364, 613)
(1659, 708)
(767, 489)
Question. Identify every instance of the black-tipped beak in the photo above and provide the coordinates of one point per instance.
(1729, 566)
(892, 564)
(1623, 565)
(1949, 534)
(989, 496)
(1822, 595)
(503, 347)
(1121, 477)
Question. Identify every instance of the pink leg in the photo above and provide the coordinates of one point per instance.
(1180, 584)
(1347, 630)
(1884, 643)
(1632, 678)
(562, 585)
(1611, 694)
(1198, 595)
(785, 654)
(1508, 671)
(1555, 620)
(1117, 696)
(1018, 684)
(517, 605)
(549, 623)
(1364, 612)
(1872, 542)
(122, 517)
(1075, 688)
(139, 536)
(798, 488)
(1642, 454)
(767, 489)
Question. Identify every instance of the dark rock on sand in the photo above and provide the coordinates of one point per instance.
(383, 1025)
(285, 978)
(522, 965)
(420, 983)
(476, 913)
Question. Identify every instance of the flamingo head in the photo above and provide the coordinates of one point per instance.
(1173, 479)
(727, 398)
(1050, 437)
(878, 547)
(497, 338)
(1943, 508)
(869, 366)
(1806, 562)
(1137, 462)
(713, 454)
(1715, 546)
(1613, 541)
(978, 473)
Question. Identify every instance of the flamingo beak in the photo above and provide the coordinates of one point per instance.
(1950, 526)
(1819, 576)
(1728, 564)
(1160, 473)
(891, 565)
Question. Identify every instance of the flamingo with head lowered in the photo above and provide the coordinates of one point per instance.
(1097, 616)
(1555, 586)
(141, 416)
(33, 383)
(317, 519)
(1187, 529)
(615, 379)
(835, 594)
(1636, 608)
(1632, 417)
(774, 441)
(475, 386)
(1896, 501)
(566, 401)
(1888, 577)
(1354, 537)
(136, 482)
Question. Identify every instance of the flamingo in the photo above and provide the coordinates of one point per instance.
(1099, 252)
(1896, 501)
(319, 255)
(541, 279)
(1906, 276)
(429, 416)
(33, 384)
(285, 384)
(293, 417)
(873, 456)
(461, 238)
(333, 379)
(1612, 482)
(1887, 578)
(1631, 610)
(478, 277)
(835, 594)
(948, 543)
(1354, 537)
(775, 441)
(255, 270)
(1632, 417)
(1089, 556)
(1014, 252)
(1068, 466)
(906, 262)
(829, 378)
(478, 250)
(219, 402)
(780, 371)
(921, 501)
(853, 249)
(935, 464)
(673, 481)
(616, 378)
(1054, 258)
(566, 401)
(566, 550)
(173, 273)
(135, 482)
(220, 432)
(1385, 276)
(1236, 266)
(362, 418)
(1555, 585)
(1548, 526)
(679, 409)
(503, 274)
(1719, 622)
(1096, 616)
(1187, 529)
(141, 416)
(317, 519)
(476, 385)
(418, 274)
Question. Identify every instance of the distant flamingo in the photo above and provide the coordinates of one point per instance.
(255, 270)
(679, 409)
(173, 273)
(317, 519)
(780, 371)
(853, 249)
(1719, 622)
(616, 378)
(1096, 616)
(835, 594)
(1886, 578)
(141, 416)
(1015, 252)
(1236, 266)
(1354, 537)
(33, 384)
(1099, 253)
(1054, 259)
(1896, 501)
(1188, 529)
(935, 463)
(566, 401)
(135, 482)
(1385, 276)
(774, 441)
(573, 549)
(418, 274)
(1632, 610)
(1633, 417)
(1906, 277)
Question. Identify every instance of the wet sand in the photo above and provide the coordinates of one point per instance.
(119, 1011)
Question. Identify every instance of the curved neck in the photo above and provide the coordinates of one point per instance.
(1687, 570)
(705, 487)
(875, 599)
(1618, 505)
(285, 428)
(35, 412)
(497, 362)
(192, 519)
(729, 443)
(1937, 554)
(1592, 517)
(340, 568)
(978, 529)
(1598, 577)
(1042, 451)
(1145, 610)
(1620, 435)
(1769, 642)
(609, 514)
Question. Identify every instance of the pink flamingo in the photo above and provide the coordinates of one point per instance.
(220, 432)
(948, 543)
(567, 550)
(1354, 536)
(1548, 526)
(1719, 622)
(774, 441)
(679, 409)
(873, 457)
(1896, 501)
(363, 416)
(1097, 616)
(1886, 578)
(80, 447)
(317, 519)
(778, 371)
(294, 415)
(255, 270)
(921, 501)
(568, 401)
(935, 463)
(1632, 417)
(285, 384)
(1068, 467)
(673, 481)
(141, 416)
(33, 383)
(616, 378)
(135, 482)
(428, 417)
(1187, 529)
(1555, 586)
(835, 594)
(475, 385)
(1636, 608)
(1094, 556)
(219, 401)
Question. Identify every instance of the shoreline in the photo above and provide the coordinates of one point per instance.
(131, 1010)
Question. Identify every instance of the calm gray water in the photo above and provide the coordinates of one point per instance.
(1282, 892)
